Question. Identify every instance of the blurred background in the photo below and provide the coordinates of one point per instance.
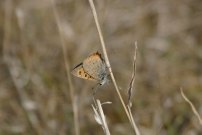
(34, 89)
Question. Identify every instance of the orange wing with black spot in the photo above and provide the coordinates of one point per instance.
(79, 71)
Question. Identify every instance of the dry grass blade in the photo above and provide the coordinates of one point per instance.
(30, 115)
(130, 90)
(192, 106)
(105, 55)
(73, 99)
(107, 60)
(100, 117)
(133, 122)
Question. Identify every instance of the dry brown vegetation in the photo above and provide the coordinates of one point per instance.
(34, 89)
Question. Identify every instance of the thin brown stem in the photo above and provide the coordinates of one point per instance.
(131, 85)
(133, 122)
(73, 99)
(30, 115)
(107, 59)
(192, 106)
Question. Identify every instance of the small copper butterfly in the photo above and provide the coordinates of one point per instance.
(92, 68)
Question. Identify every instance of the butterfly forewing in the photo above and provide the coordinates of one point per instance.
(81, 73)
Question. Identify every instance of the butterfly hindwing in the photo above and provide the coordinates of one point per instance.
(94, 65)
(92, 68)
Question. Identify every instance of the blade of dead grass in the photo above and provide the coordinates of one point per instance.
(132, 121)
(192, 106)
(30, 115)
(73, 98)
(131, 85)
(100, 117)
(108, 63)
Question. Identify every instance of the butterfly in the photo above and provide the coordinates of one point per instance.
(93, 68)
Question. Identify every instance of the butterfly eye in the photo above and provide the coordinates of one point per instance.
(79, 72)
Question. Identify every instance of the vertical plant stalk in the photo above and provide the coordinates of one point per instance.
(133, 122)
(107, 61)
(73, 98)
(30, 115)
(192, 106)
(105, 54)
(131, 85)
(130, 91)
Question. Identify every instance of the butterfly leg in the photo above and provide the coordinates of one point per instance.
(96, 88)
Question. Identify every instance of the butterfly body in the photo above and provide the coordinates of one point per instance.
(92, 68)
